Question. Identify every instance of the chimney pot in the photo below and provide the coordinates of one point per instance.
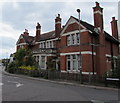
(97, 4)
(26, 30)
(113, 18)
(58, 15)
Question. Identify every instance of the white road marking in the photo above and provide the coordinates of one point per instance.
(1, 84)
(17, 83)
(15, 77)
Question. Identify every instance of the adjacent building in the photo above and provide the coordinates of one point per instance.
(90, 48)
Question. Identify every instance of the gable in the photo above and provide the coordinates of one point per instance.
(20, 40)
(72, 25)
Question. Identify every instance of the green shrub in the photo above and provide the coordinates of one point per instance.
(12, 67)
(28, 67)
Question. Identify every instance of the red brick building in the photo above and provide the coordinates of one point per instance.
(65, 44)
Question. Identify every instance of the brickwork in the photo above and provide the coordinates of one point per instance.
(96, 47)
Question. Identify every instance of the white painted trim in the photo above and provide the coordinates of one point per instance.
(73, 32)
(115, 57)
(69, 53)
(88, 52)
(21, 44)
(89, 73)
(58, 22)
(63, 71)
(98, 12)
(37, 42)
(83, 52)
(21, 36)
(46, 41)
(52, 39)
(38, 29)
(70, 21)
(108, 55)
(51, 55)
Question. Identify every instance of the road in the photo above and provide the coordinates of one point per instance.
(22, 89)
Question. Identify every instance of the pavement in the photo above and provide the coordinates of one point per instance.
(58, 82)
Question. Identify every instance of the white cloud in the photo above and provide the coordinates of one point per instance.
(8, 31)
(8, 35)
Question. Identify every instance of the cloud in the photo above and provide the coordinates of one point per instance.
(8, 38)
(24, 14)
(7, 30)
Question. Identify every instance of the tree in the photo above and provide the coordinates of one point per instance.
(29, 59)
(24, 57)
(20, 57)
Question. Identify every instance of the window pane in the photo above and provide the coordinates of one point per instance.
(73, 38)
(68, 40)
(74, 65)
(50, 44)
(44, 44)
(73, 56)
(68, 65)
(79, 64)
(68, 56)
(42, 61)
(68, 62)
(78, 38)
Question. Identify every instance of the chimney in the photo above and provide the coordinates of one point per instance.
(114, 28)
(98, 16)
(38, 32)
(100, 50)
(26, 32)
(57, 25)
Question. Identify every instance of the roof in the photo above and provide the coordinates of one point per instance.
(45, 36)
(28, 39)
(92, 29)
(48, 35)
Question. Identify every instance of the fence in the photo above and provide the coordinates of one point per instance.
(54, 75)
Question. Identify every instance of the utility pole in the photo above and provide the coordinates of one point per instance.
(78, 10)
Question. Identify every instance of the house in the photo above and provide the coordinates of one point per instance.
(90, 49)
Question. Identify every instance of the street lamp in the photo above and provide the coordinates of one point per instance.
(78, 10)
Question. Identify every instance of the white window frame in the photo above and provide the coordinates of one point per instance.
(44, 62)
(67, 62)
(76, 60)
(77, 38)
(73, 38)
(68, 40)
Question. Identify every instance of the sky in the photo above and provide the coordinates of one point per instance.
(18, 15)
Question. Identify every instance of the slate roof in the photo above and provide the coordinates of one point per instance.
(91, 28)
(28, 39)
(48, 35)
(45, 36)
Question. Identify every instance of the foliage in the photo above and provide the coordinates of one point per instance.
(24, 62)
(30, 60)
(28, 67)
(12, 67)
(20, 57)
(24, 57)
(50, 64)
(116, 71)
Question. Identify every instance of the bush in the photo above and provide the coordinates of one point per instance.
(29, 70)
(28, 67)
(12, 67)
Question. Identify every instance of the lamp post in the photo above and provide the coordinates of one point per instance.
(78, 10)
